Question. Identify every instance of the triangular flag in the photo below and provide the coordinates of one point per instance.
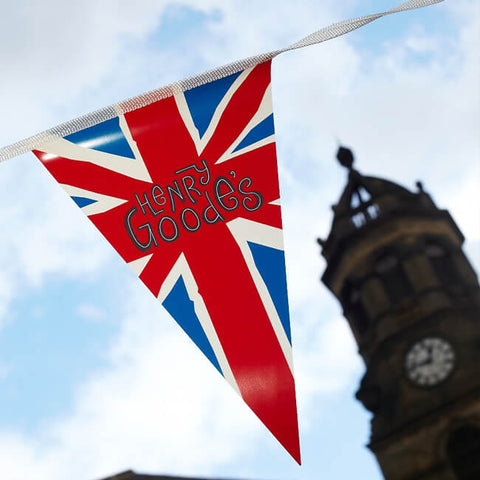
(196, 213)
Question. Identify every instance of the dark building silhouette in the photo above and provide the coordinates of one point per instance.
(131, 475)
(395, 263)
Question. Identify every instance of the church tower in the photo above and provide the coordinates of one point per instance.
(395, 263)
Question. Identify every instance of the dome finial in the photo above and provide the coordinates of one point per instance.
(345, 157)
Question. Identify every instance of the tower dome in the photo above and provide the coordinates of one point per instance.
(367, 204)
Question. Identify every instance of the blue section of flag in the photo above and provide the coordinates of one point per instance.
(203, 101)
(263, 130)
(83, 201)
(270, 263)
(105, 137)
(181, 308)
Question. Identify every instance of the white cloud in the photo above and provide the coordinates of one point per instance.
(90, 312)
(326, 363)
(54, 51)
(145, 410)
(44, 233)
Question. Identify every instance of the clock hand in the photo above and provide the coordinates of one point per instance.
(427, 360)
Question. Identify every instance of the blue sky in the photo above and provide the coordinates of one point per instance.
(95, 377)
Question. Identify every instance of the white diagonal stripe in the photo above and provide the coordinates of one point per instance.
(103, 203)
(182, 105)
(248, 231)
(59, 147)
(141, 167)
(249, 148)
(264, 110)
(138, 266)
(184, 111)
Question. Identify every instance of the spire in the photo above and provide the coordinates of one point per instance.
(345, 157)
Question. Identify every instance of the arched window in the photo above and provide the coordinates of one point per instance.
(351, 299)
(359, 219)
(393, 277)
(363, 208)
(359, 197)
(442, 263)
(463, 451)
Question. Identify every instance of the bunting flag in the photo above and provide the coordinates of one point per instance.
(186, 190)
(183, 182)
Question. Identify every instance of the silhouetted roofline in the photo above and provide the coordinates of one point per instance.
(131, 475)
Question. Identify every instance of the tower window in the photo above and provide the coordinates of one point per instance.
(393, 277)
(368, 213)
(362, 206)
(354, 310)
(434, 250)
(359, 196)
(373, 211)
(442, 263)
(463, 451)
(359, 219)
(386, 263)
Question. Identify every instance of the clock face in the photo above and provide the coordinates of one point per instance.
(429, 361)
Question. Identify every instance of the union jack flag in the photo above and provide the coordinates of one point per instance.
(186, 190)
